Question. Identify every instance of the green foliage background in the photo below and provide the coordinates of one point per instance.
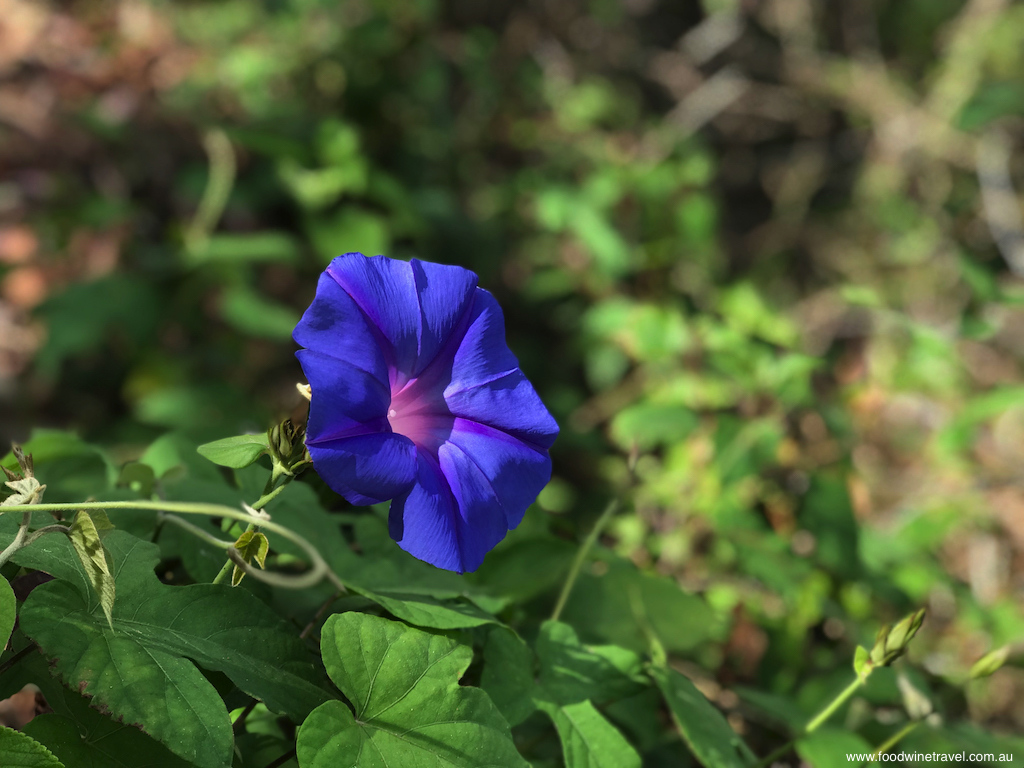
(769, 252)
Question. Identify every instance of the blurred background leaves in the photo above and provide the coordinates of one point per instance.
(775, 247)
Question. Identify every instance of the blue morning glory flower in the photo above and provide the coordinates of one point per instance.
(417, 398)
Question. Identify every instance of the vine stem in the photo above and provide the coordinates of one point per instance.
(239, 725)
(269, 493)
(815, 723)
(218, 188)
(319, 568)
(195, 530)
(21, 535)
(581, 556)
(229, 564)
(266, 498)
(323, 609)
(837, 702)
(17, 657)
(43, 531)
(897, 737)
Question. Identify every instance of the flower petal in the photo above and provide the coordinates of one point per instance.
(482, 521)
(366, 469)
(416, 305)
(424, 520)
(516, 470)
(346, 400)
(487, 385)
(333, 325)
(464, 503)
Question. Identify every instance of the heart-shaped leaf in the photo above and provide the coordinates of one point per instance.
(409, 707)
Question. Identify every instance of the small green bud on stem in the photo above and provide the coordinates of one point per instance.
(990, 662)
(893, 641)
(288, 448)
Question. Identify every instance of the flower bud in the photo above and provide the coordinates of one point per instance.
(287, 447)
(26, 488)
(892, 641)
(990, 662)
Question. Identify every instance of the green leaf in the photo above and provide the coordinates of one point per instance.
(703, 727)
(508, 675)
(175, 450)
(648, 425)
(81, 318)
(640, 720)
(45, 445)
(134, 679)
(251, 545)
(383, 566)
(235, 452)
(524, 569)
(773, 708)
(427, 611)
(80, 736)
(252, 313)
(138, 669)
(246, 248)
(990, 102)
(21, 751)
(827, 512)
(407, 588)
(8, 611)
(359, 230)
(116, 746)
(571, 672)
(588, 739)
(61, 453)
(614, 606)
(69, 479)
(56, 556)
(85, 538)
(139, 477)
(828, 747)
(409, 707)
(101, 522)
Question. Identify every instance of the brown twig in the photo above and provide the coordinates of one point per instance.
(323, 609)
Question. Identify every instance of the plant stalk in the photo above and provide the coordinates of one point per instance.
(581, 556)
(269, 493)
(814, 724)
(21, 535)
(897, 737)
(318, 571)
